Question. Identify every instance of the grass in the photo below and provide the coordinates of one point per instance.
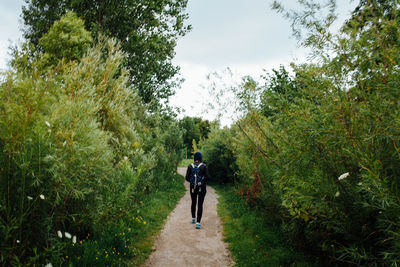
(157, 208)
(185, 162)
(253, 240)
(129, 242)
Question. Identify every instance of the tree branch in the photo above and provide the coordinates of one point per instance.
(265, 135)
(257, 146)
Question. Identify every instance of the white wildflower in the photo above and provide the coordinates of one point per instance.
(359, 183)
(337, 194)
(48, 265)
(47, 123)
(125, 158)
(18, 241)
(41, 196)
(344, 175)
(30, 198)
(59, 234)
(65, 143)
(74, 239)
(67, 235)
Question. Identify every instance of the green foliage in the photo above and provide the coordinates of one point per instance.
(67, 39)
(300, 152)
(194, 129)
(218, 154)
(280, 87)
(205, 128)
(191, 131)
(147, 31)
(130, 241)
(78, 151)
(185, 162)
(317, 151)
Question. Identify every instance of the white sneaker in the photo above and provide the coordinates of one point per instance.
(198, 225)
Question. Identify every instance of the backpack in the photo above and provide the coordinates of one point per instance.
(195, 177)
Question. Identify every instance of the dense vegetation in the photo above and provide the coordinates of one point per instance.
(317, 150)
(81, 156)
(194, 129)
(88, 166)
(253, 238)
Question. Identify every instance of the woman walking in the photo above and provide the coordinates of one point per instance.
(197, 174)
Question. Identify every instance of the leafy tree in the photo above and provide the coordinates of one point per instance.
(67, 39)
(279, 87)
(191, 132)
(205, 128)
(194, 129)
(147, 30)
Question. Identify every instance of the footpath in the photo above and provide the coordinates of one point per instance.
(180, 244)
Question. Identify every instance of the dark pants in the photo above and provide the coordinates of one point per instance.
(199, 198)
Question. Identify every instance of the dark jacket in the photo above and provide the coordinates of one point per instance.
(203, 171)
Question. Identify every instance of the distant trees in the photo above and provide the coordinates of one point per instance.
(194, 128)
(147, 31)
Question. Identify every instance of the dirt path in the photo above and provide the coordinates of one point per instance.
(180, 244)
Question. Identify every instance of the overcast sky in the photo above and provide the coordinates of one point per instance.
(244, 35)
(10, 11)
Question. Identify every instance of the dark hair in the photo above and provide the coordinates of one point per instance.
(198, 156)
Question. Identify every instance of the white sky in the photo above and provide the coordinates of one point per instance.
(10, 11)
(244, 35)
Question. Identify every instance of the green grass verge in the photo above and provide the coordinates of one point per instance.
(157, 208)
(185, 162)
(128, 242)
(253, 241)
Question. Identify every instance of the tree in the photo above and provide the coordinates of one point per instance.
(205, 128)
(67, 39)
(191, 132)
(279, 87)
(147, 29)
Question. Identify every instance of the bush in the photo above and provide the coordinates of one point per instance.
(324, 145)
(218, 155)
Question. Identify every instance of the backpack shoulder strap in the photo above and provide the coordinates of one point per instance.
(201, 163)
(192, 165)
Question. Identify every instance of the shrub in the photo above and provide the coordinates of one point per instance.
(219, 156)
